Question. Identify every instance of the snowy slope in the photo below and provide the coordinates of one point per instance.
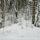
(20, 32)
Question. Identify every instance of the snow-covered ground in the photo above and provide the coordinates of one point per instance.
(20, 31)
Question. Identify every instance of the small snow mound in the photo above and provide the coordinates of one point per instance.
(25, 26)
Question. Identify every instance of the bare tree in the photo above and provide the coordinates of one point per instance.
(3, 14)
(33, 14)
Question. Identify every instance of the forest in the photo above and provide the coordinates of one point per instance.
(15, 11)
(19, 19)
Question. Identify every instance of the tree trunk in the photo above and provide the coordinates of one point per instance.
(33, 14)
(3, 15)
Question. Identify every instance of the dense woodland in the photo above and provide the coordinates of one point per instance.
(12, 11)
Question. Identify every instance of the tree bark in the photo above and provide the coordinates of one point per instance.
(3, 14)
(33, 12)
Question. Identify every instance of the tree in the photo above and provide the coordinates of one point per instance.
(3, 14)
(21, 4)
(33, 14)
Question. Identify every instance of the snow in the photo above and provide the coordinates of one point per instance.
(20, 31)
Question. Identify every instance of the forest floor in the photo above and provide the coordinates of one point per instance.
(20, 31)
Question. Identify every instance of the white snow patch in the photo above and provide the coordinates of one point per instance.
(24, 26)
(16, 32)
